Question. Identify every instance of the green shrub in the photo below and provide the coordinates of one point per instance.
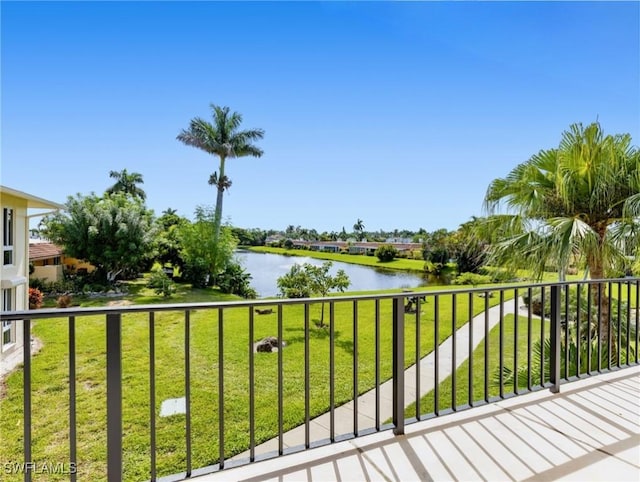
(160, 283)
(386, 253)
(471, 279)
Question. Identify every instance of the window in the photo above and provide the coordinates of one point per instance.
(7, 241)
(7, 305)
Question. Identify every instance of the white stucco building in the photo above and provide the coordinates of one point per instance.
(17, 207)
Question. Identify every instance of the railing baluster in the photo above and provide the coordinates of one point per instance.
(554, 363)
(486, 346)
(72, 399)
(619, 324)
(567, 328)
(578, 334)
(542, 335)
(252, 390)
(377, 361)
(307, 380)
(609, 328)
(418, 357)
(280, 386)
(187, 388)
(332, 373)
(221, 388)
(355, 368)
(599, 311)
(436, 352)
(529, 336)
(114, 397)
(152, 392)
(26, 389)
(516, 323)
(470, 374)
(501, 350)
(454, 391)
(628, 359)
(398, 365)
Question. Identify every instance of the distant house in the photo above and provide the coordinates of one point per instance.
(17, 207)
(49, 262)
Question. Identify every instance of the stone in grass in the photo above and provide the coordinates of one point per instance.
(268, 345)
(173, 406)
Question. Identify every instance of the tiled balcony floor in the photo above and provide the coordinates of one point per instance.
(588, 432)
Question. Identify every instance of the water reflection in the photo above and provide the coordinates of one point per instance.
(266, 268)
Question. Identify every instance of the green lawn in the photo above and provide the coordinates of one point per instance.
(445, 401)
(50, 378)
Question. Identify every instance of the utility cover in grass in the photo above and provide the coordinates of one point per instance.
(173, 406)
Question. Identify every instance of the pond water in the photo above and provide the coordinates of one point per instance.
(266, 268)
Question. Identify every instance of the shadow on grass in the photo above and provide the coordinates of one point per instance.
(320, 333)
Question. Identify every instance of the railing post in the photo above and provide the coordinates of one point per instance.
(114, 397)
(398, 365)
(554, 363)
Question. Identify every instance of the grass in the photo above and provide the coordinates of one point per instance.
(509, 344)
(50, 406)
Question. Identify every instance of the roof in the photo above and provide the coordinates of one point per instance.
(34, 202)
(43, 251)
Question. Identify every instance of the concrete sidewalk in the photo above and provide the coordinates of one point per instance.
(319, 428)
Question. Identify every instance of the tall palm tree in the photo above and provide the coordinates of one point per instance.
(580, 202)
(221, 138)
(127, 183)
(359, 228)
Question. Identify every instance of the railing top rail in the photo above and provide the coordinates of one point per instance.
(102, 310)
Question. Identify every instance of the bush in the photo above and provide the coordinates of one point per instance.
(471, 279)
(386, 253)
(236, 280)
(160, 283)
(35, 298)
(64, 301)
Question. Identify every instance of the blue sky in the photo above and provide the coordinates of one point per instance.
(398, 114)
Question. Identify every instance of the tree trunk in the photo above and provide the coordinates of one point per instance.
(217, 219)
(596, 269)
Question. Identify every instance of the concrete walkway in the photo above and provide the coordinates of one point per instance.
(319, 427)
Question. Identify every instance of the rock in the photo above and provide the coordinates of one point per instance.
(268, 345)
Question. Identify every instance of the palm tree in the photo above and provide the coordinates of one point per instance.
(127, 183)
(579, 202)
(221, 138)
(359, 228)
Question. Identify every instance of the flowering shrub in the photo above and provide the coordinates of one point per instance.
(35, 298)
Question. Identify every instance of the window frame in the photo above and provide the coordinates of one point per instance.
(8, 236)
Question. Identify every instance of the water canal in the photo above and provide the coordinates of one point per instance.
(266, 268)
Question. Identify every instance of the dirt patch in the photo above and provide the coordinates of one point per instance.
(120, 303)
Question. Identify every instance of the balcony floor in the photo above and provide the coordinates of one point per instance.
(589, 431)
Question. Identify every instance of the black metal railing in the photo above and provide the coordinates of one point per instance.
(331, 381)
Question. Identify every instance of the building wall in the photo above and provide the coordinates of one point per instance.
(49, 273)
(19, 267)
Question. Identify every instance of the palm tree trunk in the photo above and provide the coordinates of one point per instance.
(599, 292)
(217, 219)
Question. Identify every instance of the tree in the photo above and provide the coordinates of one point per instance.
(306, 280)
(579, 201)
(112, 232)
(167, 240)
(127, 183)
(221, 138)
(358, 227)
(205, 257)
(386, 252)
